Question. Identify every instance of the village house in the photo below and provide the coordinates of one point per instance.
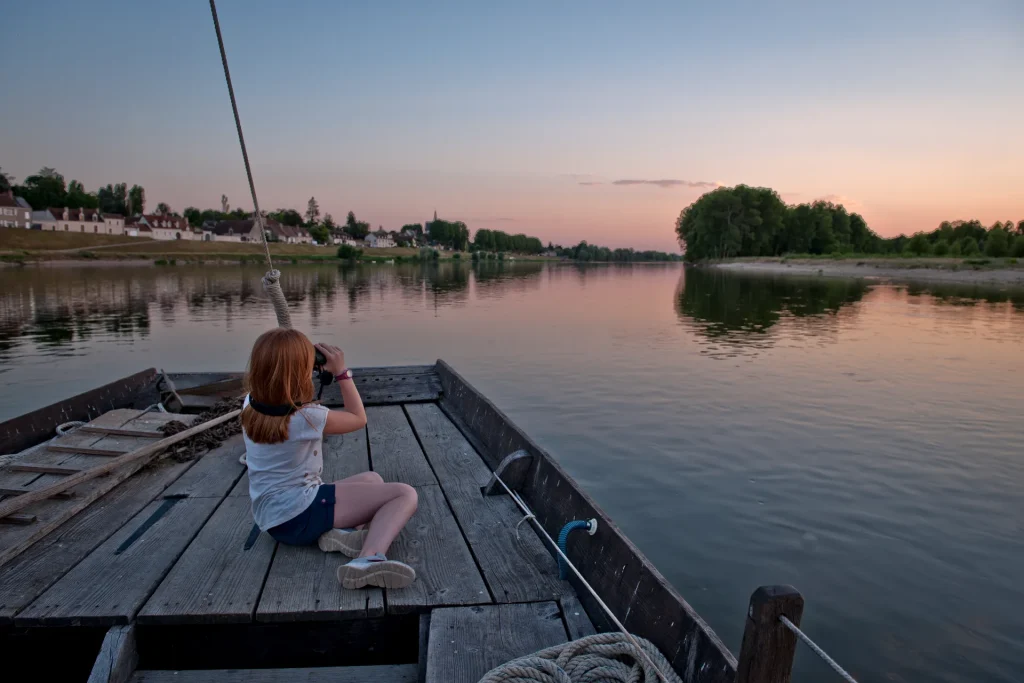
(14, 213)
(162, 227)
(244, 230)
(379, 240)
(339, 237)
(78, 220)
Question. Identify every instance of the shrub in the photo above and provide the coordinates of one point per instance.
(918, 244)
(160, 262)
(501, 256)
(941, 248)
(954, 249)
(348, 252)
(997, 243)
(456, 256)
(476, 256)
(1017, 248)
(86, 254)
(435, 254)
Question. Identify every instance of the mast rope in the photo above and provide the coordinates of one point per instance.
(272, 278)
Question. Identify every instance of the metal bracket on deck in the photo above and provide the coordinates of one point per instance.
(492, 487)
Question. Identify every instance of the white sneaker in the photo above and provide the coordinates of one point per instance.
(348, 542)
(375, 570)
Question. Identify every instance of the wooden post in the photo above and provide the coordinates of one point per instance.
(766, 655)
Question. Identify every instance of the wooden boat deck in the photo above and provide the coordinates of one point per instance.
(174, 546)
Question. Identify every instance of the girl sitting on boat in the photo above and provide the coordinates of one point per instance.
(359, 516)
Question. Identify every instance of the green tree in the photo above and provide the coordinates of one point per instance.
(355, 228)
(919, 245)
(287, 217)
(136, 201)
(1017, 248)
(312, 211)
(78, 198)
(329, 222)
(45, 189)
(347, 251)
(732, 221)
(193, 215)
(997, 243)
(320, 233)
(969, 247)
(941, 248)
(6, 181)
(163, 209)
(113, 198)
(955, 249)
(1020, 227)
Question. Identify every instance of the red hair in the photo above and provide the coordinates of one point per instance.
(280, 373)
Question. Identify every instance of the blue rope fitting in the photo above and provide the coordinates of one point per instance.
(563, 538)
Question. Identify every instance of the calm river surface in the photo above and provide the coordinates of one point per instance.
(860, 441)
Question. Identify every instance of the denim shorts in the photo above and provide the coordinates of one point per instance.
(307, 526)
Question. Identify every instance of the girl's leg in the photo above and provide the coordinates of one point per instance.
(361, 478)
(387, 506)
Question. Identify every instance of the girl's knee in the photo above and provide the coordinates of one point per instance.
(374, 478)
(408, 493)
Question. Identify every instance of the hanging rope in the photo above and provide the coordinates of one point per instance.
(604, 658)
(272, 279)
(817, 650)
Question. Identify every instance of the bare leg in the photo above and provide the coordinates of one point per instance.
(387, 506)
(361, 478)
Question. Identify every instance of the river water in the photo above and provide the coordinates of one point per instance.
(861, 441)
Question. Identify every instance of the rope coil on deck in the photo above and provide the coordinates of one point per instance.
(600, 658)
(817, 650)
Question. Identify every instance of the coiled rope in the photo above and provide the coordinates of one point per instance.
(272, 279)
(600, 658)
(817, 650)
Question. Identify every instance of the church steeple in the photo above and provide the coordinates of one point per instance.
(435, 214)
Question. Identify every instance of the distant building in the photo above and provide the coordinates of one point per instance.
(79, 220)
(339, 237)
(244, 230)
(14, 212)
(166, 227)
(379, 240)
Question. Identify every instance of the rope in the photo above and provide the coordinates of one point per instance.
(817, 650)
(68, 427)
(271, 281)
(600, 658)
(638, 648)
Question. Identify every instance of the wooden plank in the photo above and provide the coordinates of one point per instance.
(25, 577)
(110, 585)
(516, 569)
(35, 427)
(17, 491)
(388, 673)
(467, 642)
(387, 389)
(394, 452)
(53, 512)
(84, 450)
(217, 580)
(577, 623)
(633, 588)
(42, 469)
(117, 658)
(432, 544)
(303, 584)
(214, 473)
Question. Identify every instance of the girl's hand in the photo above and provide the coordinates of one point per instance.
(335, 358)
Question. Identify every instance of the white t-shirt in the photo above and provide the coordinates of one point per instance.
(284, 477)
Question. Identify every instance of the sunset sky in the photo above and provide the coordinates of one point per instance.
(528, 116)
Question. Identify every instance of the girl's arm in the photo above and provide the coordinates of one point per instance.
(353, 416)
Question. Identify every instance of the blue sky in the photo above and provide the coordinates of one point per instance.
(495, 113)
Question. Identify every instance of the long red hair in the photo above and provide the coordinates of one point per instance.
(280, 373)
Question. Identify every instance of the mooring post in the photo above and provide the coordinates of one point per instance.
(766, 655)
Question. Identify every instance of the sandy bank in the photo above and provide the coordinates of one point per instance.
(920, 271)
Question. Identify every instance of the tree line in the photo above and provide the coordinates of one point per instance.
(498, 241)
(48, 189)
(585, 252)
(754, 221)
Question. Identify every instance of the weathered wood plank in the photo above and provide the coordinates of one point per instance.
(577, 623)
(216, 580)
(395, 673)
(42, 469)
(214, 474)
(432, 544)
(17, 491)
(114, 431)
(302, 583)
(516, 569)
(377, 389)
(117, 658)
(110, 585)
(25, 577)
(467, 642)
(35, 427)
(18, 519)
(84, 450)
(394, 452)
(52, 512)
(633, 588)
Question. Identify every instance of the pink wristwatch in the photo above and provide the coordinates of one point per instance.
(347, 374)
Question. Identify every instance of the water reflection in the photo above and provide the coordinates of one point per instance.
(743, 312)
(57, 307)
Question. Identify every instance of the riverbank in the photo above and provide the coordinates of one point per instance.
(968, 271)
